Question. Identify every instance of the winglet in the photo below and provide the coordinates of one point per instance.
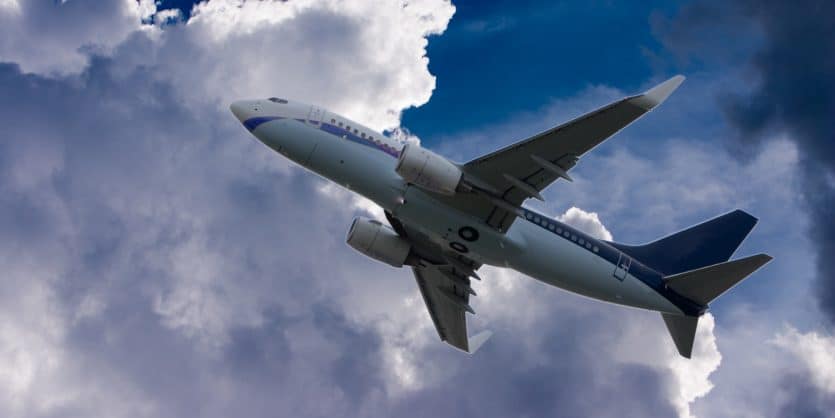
(656, 95)
(476, 341)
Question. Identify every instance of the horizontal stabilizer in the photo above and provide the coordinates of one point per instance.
(683, 330)
(707, 283)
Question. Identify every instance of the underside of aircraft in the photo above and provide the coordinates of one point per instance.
(448, 219)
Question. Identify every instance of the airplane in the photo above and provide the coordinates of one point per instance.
(447, 219)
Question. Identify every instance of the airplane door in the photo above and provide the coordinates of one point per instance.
(622, 268)
(315, 115)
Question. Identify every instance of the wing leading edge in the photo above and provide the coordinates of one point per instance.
(521, 170)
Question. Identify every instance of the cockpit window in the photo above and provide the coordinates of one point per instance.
(277, 100)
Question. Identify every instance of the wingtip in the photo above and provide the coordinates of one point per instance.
(656, 95)
(478, 340)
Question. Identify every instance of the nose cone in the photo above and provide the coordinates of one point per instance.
(239, 109)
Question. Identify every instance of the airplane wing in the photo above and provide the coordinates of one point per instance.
(521, 170)
(444, 282)
(447, 302)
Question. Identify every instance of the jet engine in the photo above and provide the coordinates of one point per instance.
(428, 170)
(375, 240)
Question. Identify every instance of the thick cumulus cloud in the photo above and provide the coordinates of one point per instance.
(792, 92)
(815, 351)
(364, 59)
(151, 250)
(47, 36)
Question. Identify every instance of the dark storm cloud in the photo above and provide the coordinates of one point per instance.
(794, 92)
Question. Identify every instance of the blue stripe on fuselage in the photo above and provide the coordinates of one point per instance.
(648, 276)
(344, 133)
(253, 123)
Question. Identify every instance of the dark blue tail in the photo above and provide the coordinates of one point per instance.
(705, 244)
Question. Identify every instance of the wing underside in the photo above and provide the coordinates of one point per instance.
(444, 280)
(446, 303)
(521, 170)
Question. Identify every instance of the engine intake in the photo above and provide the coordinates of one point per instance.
(428, 170)
(375, 240)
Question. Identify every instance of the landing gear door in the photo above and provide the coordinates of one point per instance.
(314, 117)
(622, 268)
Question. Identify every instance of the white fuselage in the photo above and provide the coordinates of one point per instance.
(364, 161)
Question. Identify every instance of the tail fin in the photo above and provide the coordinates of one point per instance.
(705, 244)
(702, 286)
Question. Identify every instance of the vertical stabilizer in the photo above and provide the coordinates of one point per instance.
(683, 330)
(705, 244)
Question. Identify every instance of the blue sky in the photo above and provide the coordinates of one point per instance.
(158, 261)
(501, 58)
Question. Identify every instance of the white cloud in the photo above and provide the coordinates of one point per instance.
(11, 6)
(363, 59)
(40, 374)
(59, 36)
(587, 222)
(692, 376)
(167, 16)
(816, 351)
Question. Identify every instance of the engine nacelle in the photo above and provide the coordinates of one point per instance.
(378, 241)
(428, 170)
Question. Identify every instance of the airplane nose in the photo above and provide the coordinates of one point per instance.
(239, 110)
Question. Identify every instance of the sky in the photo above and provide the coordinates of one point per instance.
(159, 262)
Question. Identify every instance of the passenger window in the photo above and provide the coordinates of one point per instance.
(340, 124)
(333, 121)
